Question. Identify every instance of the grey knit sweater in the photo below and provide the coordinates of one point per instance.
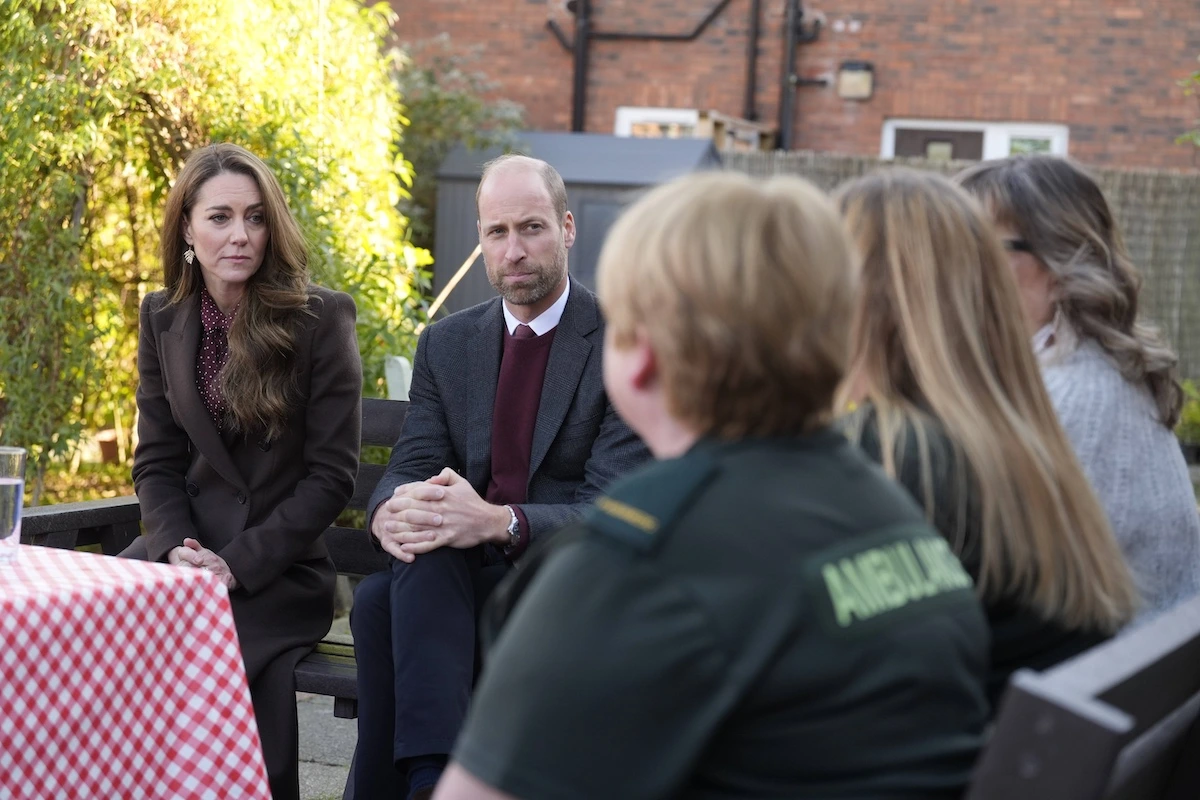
(1136, 469)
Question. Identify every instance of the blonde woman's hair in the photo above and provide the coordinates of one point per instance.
(937, 332)
(743, 289)
(258, 381)
(1061, 212)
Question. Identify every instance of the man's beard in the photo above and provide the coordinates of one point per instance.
(545, 281)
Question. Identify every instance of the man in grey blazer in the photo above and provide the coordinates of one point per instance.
(509, 434)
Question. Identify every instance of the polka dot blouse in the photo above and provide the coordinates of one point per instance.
(214, 352)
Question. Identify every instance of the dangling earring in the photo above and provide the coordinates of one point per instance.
(189, 255)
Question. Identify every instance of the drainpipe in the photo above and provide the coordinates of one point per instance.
(583, 35)
(793, 34)
(749, 106)
(787, 86)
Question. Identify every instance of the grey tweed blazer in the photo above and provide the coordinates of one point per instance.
(579, 443)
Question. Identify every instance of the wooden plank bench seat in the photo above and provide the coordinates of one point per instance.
(112, 524)
(333, 674)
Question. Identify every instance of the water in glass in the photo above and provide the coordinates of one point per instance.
(11, 490)
(12, 487)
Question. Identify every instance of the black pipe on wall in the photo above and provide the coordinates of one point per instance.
(787, 93)
(584, 35)
(750, 104)
(794, 34)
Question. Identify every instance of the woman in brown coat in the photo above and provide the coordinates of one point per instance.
(249, 424)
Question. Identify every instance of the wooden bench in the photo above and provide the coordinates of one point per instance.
(1118, 722)
(113, 524)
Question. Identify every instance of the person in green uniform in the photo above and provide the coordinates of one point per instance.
(760, 613)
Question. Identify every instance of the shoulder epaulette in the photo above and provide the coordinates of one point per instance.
(639, 509)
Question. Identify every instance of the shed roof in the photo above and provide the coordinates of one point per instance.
(592, 158)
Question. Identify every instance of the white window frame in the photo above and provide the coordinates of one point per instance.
(997, 136)
(628, 116)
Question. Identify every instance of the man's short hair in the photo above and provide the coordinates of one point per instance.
(744, 289)
(554, 182)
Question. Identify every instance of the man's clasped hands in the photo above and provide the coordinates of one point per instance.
(444, 511)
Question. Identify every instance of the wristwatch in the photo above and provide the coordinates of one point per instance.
(514, 531)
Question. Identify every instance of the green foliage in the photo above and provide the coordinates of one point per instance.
(444, 98)
(101, 102)
(92, 481)
(1188, 427)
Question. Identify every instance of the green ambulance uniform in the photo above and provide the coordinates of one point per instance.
(769, 618)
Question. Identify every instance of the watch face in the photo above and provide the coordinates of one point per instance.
(514, 535)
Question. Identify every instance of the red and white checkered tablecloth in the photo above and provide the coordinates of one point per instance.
(121, 679)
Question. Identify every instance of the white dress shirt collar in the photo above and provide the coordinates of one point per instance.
(546, 321)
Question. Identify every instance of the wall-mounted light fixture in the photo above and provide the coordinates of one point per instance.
(856, 80)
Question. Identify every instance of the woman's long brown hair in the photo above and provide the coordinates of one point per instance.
(1062, 213)
(258, 381)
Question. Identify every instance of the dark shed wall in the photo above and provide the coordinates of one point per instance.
(456, 238)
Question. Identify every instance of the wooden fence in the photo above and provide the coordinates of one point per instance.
(1159, 212)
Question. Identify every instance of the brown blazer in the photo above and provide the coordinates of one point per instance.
(260, 505)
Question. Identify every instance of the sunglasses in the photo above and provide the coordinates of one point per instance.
(1018, 246)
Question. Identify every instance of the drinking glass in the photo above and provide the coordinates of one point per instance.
(12, 489)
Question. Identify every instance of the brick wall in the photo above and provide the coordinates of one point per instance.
(1106, 68)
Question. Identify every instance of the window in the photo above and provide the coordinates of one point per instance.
(1021, 145)
(938, 150)
(953, 139)
(938, 144)
(656, 123)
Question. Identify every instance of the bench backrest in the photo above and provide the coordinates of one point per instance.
(1118, 722)
(350, 548)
